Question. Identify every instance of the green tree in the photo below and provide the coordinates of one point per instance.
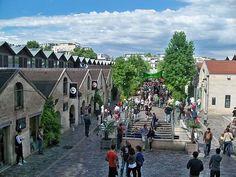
(127, 74)
(179, 65)
(84, 52)
(50, 123)
(47, 48)
(32, 44)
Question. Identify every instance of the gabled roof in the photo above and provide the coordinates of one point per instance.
(44, 79)
(221, 66)
(36, 51)
(95, 74)
(77, 75)
(69, 57)
(50, 54)
(19, 49)
(5, 44)
(61, 56)
(5, 77)
(76, 58)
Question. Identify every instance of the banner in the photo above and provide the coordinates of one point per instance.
(153, 75)
(73, 90)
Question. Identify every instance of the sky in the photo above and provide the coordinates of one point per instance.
(116, 27)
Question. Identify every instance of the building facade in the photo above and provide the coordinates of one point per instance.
(217, 85)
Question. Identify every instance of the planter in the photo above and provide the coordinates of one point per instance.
(191, 147)
(106, 143)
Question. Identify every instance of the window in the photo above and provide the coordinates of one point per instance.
(19, 101)
(61, 64)
(65, 86)
(65, 106)
(38, 63)
(213, 101)
(3, 61)
(23, 62)
(227, 101)
(50, 63)
(88, 83)
(10, 61)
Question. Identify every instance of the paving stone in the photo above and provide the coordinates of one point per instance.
(86, 159)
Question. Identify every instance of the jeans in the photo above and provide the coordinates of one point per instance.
(40, 146)
(86, 130)
(228, 147)
(215, 173)
(124, 165)
(207, 149)
(168, 117)
(138, 168)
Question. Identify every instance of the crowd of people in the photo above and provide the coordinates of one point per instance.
(131, 161)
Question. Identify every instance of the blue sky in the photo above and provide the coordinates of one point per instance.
(63, 7)
(116, 27)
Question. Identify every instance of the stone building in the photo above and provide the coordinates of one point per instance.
(217, 85)
(20, 108)
(84, 82)
(56, 83)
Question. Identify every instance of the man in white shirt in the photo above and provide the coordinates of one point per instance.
(19, 148)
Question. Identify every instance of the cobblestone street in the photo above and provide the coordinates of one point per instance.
(86, 159)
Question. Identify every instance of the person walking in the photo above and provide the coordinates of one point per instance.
(150, 136)
(132, 163)
(228, 138)
(19, 148)
(144, 132)
(214, 164)
(113, 162)
(87, 123)
(124, 156)
(154, 121)
(139, 160)
(195, 165)
(207, 138)
(119, 135)
(40, 140)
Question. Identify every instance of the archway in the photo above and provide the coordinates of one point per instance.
(72, 115)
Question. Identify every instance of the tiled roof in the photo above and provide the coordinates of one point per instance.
(76, 74)
(43, 79)
(5, 75)
(94, 73)
(221, 67)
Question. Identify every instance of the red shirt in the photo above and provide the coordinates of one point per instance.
(111, 158)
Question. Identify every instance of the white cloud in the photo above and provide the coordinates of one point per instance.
(142, 30)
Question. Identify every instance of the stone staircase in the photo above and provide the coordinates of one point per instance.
(163, 130)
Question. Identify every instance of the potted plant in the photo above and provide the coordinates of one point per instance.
(193, 145)
(107, 127)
